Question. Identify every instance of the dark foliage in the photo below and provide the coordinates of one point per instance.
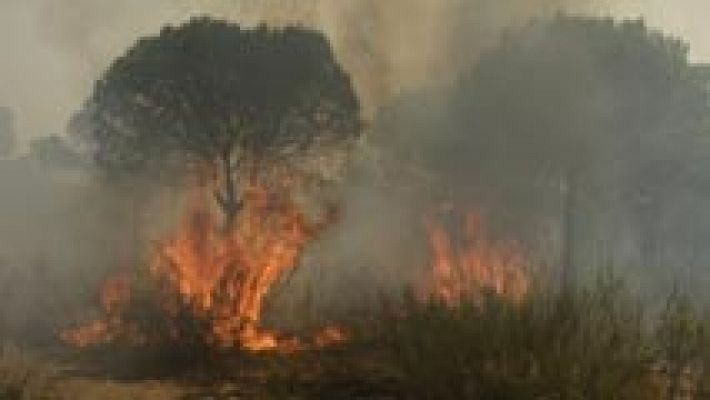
(598, 124)
(211, 93)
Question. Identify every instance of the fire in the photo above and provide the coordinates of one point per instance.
(222, 275)
(330, 335)
(470, 263)
(114, 295)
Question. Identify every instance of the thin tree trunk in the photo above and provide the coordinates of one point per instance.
(227, 198)
(648, 215)
(569, 205)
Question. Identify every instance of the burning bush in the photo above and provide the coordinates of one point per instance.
(469, 263)
(209, 284)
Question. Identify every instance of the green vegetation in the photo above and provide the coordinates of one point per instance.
(594, 343)
(591, 344)
(595, 125)
(210, 94)
(574, 131)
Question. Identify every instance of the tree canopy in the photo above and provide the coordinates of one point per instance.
(577, 92)
(613, 111)
(212, 92)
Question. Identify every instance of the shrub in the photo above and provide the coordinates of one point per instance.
(590, 343)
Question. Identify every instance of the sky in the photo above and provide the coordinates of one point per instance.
(53, 50)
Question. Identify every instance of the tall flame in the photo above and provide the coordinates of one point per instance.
(222, 275)
(225, 276)
(468, 264)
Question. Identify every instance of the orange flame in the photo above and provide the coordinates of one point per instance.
(473, 265)
(329, 336)
(222, 275)
(114, 296)
(225, 276)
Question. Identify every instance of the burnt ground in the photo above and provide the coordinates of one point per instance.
(350, 372)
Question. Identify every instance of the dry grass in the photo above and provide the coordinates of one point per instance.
(596, 343)
(593, 344)
(23, 377)
(91, 389)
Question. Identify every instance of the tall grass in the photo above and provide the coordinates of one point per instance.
(594, 342)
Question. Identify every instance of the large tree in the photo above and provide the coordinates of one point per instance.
(213, 93)
(611, 112)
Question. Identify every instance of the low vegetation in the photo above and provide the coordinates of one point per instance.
(594, 342)
(23, 377)
(591, 343)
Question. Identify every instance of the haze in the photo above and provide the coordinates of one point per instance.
(54, 50)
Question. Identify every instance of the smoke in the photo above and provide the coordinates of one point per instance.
(54, 50)
(59, 48)
(396, 45)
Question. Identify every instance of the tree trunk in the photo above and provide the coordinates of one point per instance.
(648, 224)
(569, 205)
(227, 198)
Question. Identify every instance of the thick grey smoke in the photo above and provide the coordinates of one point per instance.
(55, 49)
